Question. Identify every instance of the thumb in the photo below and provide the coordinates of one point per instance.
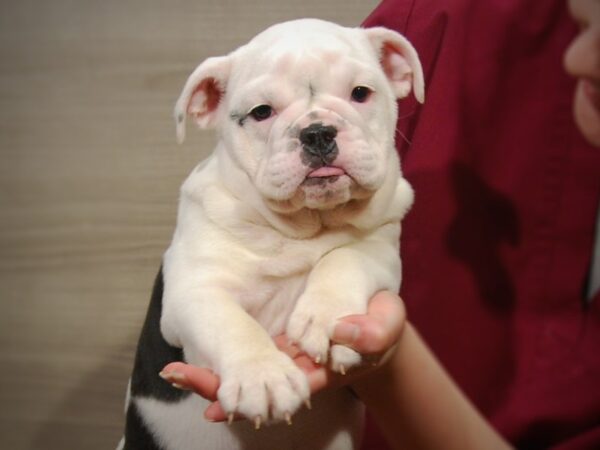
(377, 330)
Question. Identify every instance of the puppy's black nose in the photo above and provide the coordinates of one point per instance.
(318, 140)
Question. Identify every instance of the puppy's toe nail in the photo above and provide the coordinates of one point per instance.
(230, 418)
(342, 369)
(288, 418)
(318, 359)
(257, 421)
(307, 403)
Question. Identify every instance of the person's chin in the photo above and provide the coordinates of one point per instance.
(587, 111)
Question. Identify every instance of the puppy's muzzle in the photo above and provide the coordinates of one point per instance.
(318, 145)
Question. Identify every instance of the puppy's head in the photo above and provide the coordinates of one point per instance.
(307, 109)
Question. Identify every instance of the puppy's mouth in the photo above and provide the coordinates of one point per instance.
(326, 171)
(325, 175)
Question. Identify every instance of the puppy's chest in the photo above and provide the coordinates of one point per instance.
(271, 300)
(277, 278)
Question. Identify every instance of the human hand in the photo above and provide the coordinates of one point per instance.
(373, 335)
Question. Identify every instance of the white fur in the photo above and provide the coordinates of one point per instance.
(257, 251)
(180, 427)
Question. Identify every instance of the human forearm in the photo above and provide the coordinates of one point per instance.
(418, 406)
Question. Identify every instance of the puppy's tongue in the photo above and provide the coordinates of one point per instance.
(326, 171)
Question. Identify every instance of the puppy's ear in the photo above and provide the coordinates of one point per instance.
(202, 94)
(399, 61)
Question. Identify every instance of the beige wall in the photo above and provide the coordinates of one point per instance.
(89, 177)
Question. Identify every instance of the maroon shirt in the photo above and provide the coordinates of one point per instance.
(497, 247)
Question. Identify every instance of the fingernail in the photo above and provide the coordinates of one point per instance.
(345, 333)
(208, 416)
(173, 377)
(180, 386)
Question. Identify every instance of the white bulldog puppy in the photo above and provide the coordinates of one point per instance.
(292, 223)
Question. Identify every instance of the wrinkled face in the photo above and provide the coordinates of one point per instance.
(309, 112)
(314, 128)
(582, 60)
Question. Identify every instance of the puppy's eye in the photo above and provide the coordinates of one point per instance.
(361, 94)
(261, 112)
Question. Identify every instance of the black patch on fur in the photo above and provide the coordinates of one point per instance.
(315, 181)
(239, 118)
(137, 436)
(314, 161)
(293, 132)
(153, 353)
(292, 146)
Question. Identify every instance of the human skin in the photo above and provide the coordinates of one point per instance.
(582, 60)
(418, 406)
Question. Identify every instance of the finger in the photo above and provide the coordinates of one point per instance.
(214, 413)
(284, 344)
(375, 331)
(388, 315)
(318, 379)
(201, 380)
(302, 360)
(323, 377)
(306, 363)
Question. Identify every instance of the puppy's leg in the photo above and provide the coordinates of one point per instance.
(341, 284)
(257, 380)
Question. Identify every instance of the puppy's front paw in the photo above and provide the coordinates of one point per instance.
(265, 387)
(310, 330)
(311, 326)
